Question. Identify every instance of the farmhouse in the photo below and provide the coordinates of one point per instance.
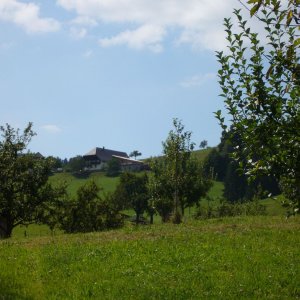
(97, 159)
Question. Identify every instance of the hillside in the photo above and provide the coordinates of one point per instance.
(234, 258)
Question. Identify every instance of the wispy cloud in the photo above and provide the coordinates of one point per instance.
(197, 80)
(84, 21)
(51, 128)
(147, 36)
(197, 22)
(27, 16)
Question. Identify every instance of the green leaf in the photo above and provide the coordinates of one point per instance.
(297, 42)
(254, 9)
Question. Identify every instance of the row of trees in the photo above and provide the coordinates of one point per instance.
(177, 181)
(26, 196)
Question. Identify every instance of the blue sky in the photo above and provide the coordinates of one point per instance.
(110, 73)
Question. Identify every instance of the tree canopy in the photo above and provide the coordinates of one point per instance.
(260, 86)
(23, 180)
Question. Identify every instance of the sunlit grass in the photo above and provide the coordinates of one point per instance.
(230, 258)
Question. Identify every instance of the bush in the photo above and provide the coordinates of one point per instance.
(227, 209)
(89, 212)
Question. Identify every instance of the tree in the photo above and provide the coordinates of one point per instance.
(88, 212)
(57, 162)
(23, 180)
(132, 192)
(220, 164)
(135, 154)
(203, 144)
(160, 191)
(262, 95)
(113, 167)
(75, 164)
(177, 176)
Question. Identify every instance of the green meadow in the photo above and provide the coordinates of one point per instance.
(230, 258)
(226, 258)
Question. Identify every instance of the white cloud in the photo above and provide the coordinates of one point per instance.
(198, 22)
(84, 21)
(197, 80)
(51, 128)
(26, 15)
(147, 36)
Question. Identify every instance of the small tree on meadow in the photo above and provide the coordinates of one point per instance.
(178, 176)
(132, 193)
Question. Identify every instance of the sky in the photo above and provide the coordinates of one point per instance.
(112, 73)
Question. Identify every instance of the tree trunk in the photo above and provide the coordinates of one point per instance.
(137, 220)
(182, 209)
(151, 219)
(6, 228)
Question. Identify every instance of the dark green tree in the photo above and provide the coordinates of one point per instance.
(135, 154)
(132, 192)
(75, 164)
(236, 186)
(23, 180)
(88, 212)
(262, 95)
(113, 168)
(203, 144)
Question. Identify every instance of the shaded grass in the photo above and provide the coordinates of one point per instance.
(231, 258)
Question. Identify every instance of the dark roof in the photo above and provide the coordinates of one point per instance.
(104, 154)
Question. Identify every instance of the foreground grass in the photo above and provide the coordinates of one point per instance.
(234, 258)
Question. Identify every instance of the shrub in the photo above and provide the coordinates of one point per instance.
(227, 209)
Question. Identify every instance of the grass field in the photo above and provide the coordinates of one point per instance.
(108, 184)
(231, 258)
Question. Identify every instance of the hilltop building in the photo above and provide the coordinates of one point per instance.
(97, 159)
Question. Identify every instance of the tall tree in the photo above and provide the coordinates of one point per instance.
(177, 175)
(23, 180)
(261, 89)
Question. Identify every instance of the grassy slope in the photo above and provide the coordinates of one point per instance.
(234, 258)
(108, 184)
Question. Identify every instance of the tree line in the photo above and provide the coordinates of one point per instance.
(26, 196)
